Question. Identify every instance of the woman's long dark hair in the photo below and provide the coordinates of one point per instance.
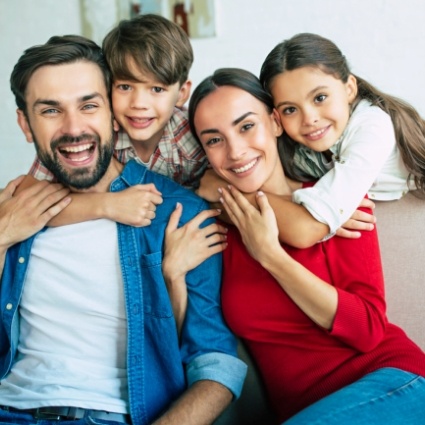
(315, 51)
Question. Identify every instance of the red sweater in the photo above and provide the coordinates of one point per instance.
(299, 361)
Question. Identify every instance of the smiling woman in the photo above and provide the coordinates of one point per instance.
(313, 319)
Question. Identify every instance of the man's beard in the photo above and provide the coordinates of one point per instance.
(84, 177)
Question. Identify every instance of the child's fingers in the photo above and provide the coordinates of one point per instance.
(174, 218)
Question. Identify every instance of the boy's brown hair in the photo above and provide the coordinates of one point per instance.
(158, 46)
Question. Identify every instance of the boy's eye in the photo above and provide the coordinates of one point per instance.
(288, 111)
(124, 87)
(320, 98)
(157, 89)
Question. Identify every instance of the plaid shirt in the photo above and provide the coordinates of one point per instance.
(178, 155)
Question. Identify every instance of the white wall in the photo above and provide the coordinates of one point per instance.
(383, 41)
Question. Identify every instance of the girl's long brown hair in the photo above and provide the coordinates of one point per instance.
(315, 51)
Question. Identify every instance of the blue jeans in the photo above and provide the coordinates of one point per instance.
(387, 396)
(26, 419)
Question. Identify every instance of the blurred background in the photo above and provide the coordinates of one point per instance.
(384, 42)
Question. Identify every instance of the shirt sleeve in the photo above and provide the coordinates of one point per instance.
(40, 172)
(367, 145)
(356, 270)
(208, 347)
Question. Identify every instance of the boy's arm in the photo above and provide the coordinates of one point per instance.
(24, 214)
(134, 206)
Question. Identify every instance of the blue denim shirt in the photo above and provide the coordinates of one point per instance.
(159, 367)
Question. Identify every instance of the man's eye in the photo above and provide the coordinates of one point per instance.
(49, 111)
(89, 107)
(157, 89)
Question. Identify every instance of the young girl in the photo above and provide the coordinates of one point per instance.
(341, 129)
(313, 319)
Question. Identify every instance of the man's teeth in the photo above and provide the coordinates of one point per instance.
(75, 149)
(245, 167)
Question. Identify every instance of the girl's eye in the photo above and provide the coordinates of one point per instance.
(320, 98)
(288, 111)
(247, 126)
(158, 89)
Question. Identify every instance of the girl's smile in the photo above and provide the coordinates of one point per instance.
(314, 106)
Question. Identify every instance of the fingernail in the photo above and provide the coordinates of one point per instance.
(220, 190)
(260, 193)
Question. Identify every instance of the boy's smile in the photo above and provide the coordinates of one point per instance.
(143, 106)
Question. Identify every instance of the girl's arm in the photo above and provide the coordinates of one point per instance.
(368, 160)
(297, 227)
(186, 248)
(134, 206)
(352, 307)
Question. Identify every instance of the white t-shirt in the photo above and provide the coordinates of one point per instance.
(366, 160)
(73, 326)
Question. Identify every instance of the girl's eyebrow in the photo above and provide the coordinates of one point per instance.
(310, 93)
(235, 122)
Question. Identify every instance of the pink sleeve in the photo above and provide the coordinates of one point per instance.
(356, 269)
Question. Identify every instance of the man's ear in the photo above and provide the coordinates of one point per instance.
(184, 93)
(277, 123)
(24, 124)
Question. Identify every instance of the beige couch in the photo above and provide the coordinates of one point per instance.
(402, 240)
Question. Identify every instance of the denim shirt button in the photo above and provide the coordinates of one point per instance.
(9, 306)
(21, 260)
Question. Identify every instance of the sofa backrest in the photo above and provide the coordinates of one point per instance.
(402, 244)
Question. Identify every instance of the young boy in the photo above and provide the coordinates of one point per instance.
(150, 58)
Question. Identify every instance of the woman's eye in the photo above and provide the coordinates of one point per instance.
(247, 126)
(212, 141)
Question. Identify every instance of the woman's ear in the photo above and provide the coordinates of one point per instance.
(184, 93)
(351, 87)
(278, 129)
(25, 127)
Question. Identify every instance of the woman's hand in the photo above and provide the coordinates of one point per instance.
(185, 248)
(360, 220)
(258, 227)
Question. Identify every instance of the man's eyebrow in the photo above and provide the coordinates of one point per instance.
(56, 103)
(235, 122)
